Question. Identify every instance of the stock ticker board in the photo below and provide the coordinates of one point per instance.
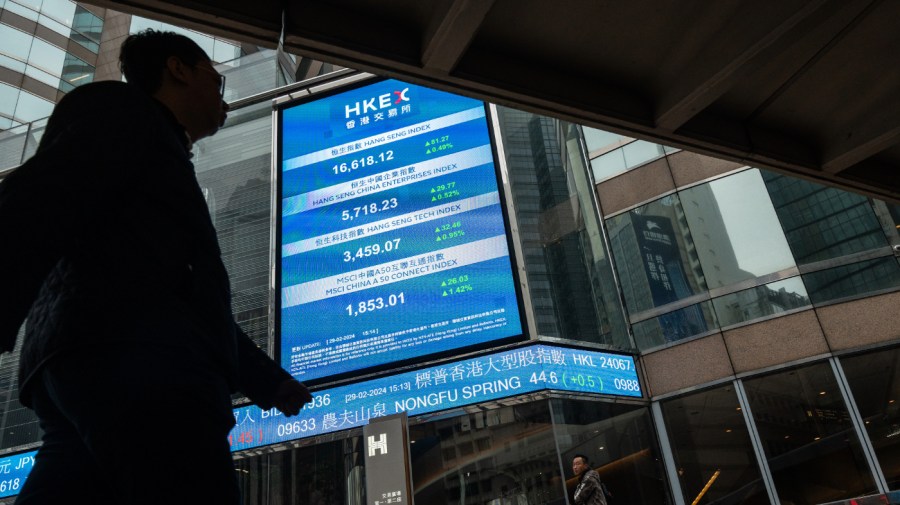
(393, 238)
(450, 385)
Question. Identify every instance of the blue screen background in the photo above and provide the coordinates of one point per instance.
(393, 239)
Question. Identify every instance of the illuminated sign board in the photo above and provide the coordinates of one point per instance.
(392, 235)
(13, 471)
(450, 385)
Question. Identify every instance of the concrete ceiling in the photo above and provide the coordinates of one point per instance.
(806, 87)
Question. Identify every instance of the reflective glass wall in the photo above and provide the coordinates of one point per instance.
(569, 271)
(745, 247)
(49, 47)
(711, 444)
(817, 433)
(620, 443)
(874, 380)
(805, 429)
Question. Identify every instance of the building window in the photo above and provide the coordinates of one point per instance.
(809, 441)
(621, 444)
(735, 229)
(655, 255)
(234, 171)
(328, 472)
(711, 446)
(874, 379)
(821, 222)
(675, 325)
(570, 277)
(657, 261)
(853, 280)
(761, 302)
(530, 474)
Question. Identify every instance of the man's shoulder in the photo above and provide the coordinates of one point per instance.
(102, 98)
(102, 89)
(100, 108)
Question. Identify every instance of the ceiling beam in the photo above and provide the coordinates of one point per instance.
(451, 32)
(865, 138)
(713, 72)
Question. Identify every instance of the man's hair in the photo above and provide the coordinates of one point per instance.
(144, 54)
(584, 458)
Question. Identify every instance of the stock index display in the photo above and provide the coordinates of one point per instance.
(393, 242)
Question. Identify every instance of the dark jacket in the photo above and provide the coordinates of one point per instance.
(107, 243)
(589, 490)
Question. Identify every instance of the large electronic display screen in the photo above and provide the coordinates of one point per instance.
(392, 236)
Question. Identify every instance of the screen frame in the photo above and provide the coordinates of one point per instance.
(341, 85)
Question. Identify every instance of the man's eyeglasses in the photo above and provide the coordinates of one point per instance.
(218, 76)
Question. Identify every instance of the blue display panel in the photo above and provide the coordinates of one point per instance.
(476, 380)
(13, 472)
(392, 234)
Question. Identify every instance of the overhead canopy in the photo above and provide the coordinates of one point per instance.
(806, 87)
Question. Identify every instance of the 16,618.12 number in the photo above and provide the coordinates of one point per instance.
(365, 161)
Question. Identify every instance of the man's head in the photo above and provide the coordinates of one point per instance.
(580, 464)
(173, 69)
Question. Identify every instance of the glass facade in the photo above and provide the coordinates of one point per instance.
(723, 253)
(711, 443)
(822, 223)
(29, 51)
(620, 443)
(612, 154)
(874, 379)
(567, 263)
(760, 302)
(806, 432)
(506, 455)
(744, 247)
(328, 472)
(234, 172)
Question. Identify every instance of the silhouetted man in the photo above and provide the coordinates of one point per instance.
(131, 352)
(589, 490)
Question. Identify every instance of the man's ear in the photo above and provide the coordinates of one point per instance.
(177, 69)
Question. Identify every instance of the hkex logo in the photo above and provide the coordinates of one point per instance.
(376, 103)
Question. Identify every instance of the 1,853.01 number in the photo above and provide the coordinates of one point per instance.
(375, 304)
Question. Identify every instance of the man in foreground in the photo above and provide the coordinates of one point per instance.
(589, 490)
(131, 352)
